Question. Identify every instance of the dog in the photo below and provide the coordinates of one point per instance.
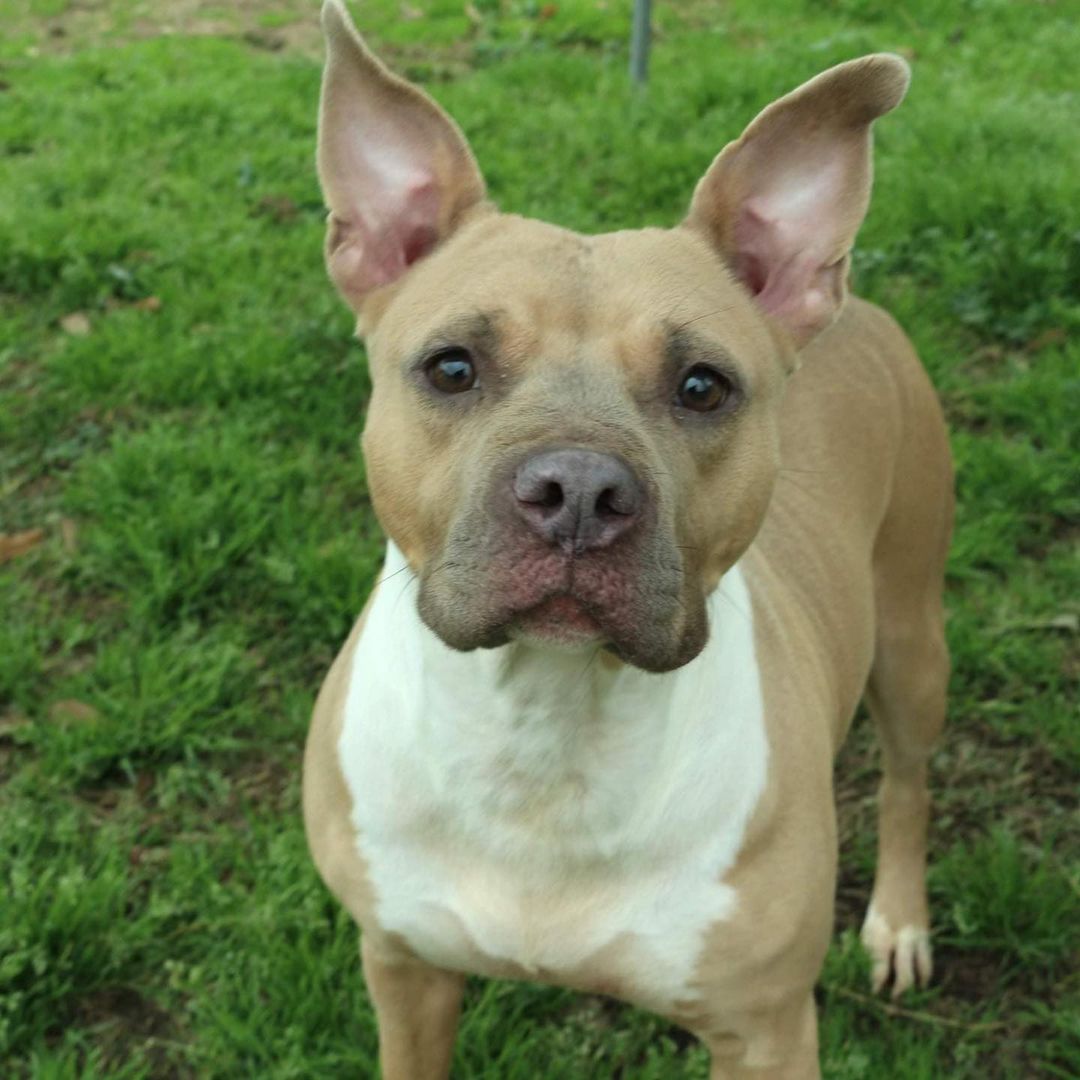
(661, 506)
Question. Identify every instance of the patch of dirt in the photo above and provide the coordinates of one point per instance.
(123, 1021)
(967, 975)
(265, 24)
(259, 780)
(287, 26)
(264, 781)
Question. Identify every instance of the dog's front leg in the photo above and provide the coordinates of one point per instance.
(417, 1007)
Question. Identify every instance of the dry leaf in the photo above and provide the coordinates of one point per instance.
(71, 709)
(12, 545)
(408, 13)
(264, 39)
(76, 324)
(148, 303)
(279, 207)
(69, 534)
(1054, 336)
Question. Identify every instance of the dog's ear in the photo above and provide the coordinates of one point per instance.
(396, 172)
(783, 203)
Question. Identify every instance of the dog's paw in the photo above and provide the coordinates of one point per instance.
(904, 953)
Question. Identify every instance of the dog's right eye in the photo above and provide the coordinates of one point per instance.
(451, 371)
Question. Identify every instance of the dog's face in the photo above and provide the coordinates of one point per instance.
(572, 438)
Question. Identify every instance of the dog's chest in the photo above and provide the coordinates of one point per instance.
(532, 814)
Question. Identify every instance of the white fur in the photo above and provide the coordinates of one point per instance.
(529, 806)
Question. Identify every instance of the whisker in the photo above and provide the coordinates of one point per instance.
(698, 318)
(384, 580)
(731, 604)
(585, 672)
(405, 587)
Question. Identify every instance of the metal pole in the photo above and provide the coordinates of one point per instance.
(639, 42)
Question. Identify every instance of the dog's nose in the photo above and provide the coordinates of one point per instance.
(578, 499)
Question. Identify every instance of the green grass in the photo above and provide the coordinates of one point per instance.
(192, 461)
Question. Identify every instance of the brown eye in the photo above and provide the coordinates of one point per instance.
(452, 371)
(703, 390)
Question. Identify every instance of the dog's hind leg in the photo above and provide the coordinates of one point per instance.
(417, 1007)
(780, 1043)
(906, 694)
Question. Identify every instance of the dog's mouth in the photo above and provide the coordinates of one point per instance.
(546, 598)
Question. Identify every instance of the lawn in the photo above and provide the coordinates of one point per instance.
(186, 534)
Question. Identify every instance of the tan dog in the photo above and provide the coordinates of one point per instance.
(661, 508)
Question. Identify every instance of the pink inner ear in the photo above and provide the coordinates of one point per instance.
(402, 222)
(418, 243)
(771, 261)
(780, 241)
(389, 231)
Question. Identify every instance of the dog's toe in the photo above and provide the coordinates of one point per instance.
(903, 953)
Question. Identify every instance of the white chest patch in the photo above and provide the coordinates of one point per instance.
(533, 808)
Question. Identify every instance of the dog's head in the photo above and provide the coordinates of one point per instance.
(571, 438)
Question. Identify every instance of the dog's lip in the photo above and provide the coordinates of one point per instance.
(559, 615)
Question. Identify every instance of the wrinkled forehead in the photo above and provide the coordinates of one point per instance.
(533, 292)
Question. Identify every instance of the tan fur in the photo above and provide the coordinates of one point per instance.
(846, 457)
(833, 484)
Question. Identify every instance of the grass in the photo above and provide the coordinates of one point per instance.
(206, 537)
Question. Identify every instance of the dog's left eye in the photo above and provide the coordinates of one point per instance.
(451, 371)
(703, 390)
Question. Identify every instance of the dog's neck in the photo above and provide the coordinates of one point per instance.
(537, 741)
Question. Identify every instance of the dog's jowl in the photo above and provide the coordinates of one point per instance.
(667, 504)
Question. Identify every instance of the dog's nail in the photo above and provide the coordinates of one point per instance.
(911, 947)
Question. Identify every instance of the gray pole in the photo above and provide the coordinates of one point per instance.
(639, 43)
